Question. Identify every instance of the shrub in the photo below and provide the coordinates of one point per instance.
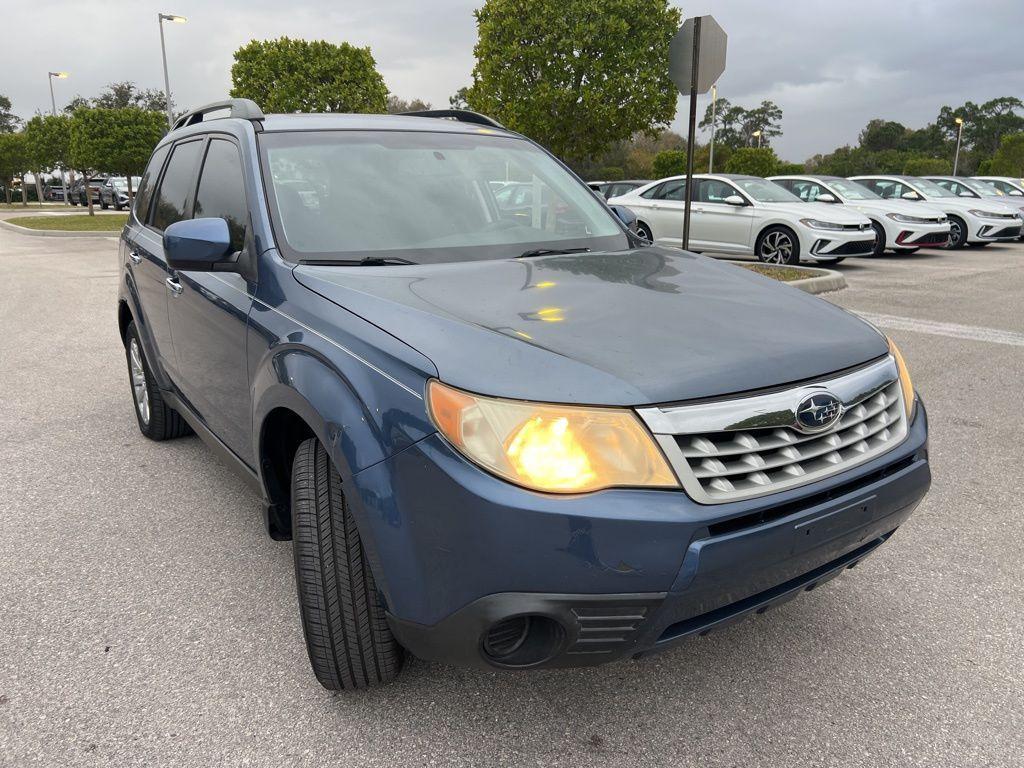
(923, 166)
(789, 169)
(669, 162)
(611, 173)
(753, 161)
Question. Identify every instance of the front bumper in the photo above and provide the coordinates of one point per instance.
(993, 230)
(613, 574)
(828, 244)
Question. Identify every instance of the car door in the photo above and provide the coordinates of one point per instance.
(664, 212)
(715, 225)
(143, 257)
(209, 310)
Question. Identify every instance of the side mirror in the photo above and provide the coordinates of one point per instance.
(734, 200)
(910, 195)
(199, 244)
(826, 197)
(1015, 193)
(626, 216)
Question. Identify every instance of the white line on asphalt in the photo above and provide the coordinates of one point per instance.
(953, 330)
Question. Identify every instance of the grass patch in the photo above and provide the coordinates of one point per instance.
(73, 222)
(785, 274)
(29, 207)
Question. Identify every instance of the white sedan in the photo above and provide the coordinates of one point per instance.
(748, 216)
(899, 224)
(1008, 185)
(971, 221)
(964, 187)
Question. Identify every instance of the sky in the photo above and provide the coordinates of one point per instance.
(831, 65)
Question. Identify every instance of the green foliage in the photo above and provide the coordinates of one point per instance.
(459, 99)
(14, 159)
(984, 124)
(288, 75)
(117, 141)
(49, 141)
(879, 135)
(926, 166)
(9, 121)
(611, 173)
(396, 105)
(670, 162)
(753, 161)
(789, 169)
(575, 75)
(735, 125)
(1009, 158)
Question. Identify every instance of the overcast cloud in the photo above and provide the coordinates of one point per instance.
(831, 65)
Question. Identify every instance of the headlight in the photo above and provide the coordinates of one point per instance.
(987, 214)
(909, 219)
(815, 224)
(552, 448)
(905, 384)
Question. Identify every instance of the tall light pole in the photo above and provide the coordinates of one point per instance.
(711, 151)
(959, 135)
(758, 134)
(53, 107)
(163, 52)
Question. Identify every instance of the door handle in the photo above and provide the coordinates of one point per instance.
(655, 205)
(174, 285)
(134, 256)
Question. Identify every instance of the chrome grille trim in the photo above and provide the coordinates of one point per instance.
(729, 450)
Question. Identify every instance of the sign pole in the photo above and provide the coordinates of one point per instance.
(692, 130)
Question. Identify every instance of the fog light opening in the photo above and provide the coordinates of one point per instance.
(522, 641)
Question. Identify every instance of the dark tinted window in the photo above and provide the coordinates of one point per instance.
(672, 190)
(177, 185)
(652, 193)
(145, 191)
(221, 193)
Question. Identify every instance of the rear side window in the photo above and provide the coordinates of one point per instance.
(144, 194)
(221, 192)
(177, 184)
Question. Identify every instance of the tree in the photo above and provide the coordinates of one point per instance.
(575, 75)
(883, 134)
(396, 106)
(669, 162)
(118, 141)
(789, 169)
(49, 141)
(753, 161)
(925, 166)
(735, 125)
(1009, 158)
(459, 99)
(14, 161)
(288, 75)
(984, 124)
(9, 121)
(124, 95)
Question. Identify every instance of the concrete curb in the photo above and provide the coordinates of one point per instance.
(52, 232)
(820, 280)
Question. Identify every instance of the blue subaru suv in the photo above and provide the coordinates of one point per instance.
(500, 429)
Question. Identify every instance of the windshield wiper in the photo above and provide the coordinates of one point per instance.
(550, 251)
(369, 261)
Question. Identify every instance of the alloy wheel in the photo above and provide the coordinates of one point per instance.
(776, 248)
(955, 233)
(138, 373)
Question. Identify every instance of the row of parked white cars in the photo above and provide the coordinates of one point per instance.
(789, 219)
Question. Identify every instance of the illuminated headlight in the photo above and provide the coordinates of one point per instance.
(815, 224)
(903, 219)
(906, 385)
(552, 448)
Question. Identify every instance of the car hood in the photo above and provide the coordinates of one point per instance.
(651, 325)
(964, 204)
(836, 214)
(904, 207)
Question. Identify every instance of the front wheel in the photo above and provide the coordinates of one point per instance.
(778, 245)
(349, 641)
(643, 231)
(957, 234)
(103, 204)
(879, 238)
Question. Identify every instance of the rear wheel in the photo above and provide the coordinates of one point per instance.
(157, 420)
(644, 232)
(957, 234)
(103, 204)
(778, 245)
(879, 238)
(349, 641)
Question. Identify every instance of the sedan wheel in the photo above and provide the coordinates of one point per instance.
(957, 234)
(778, 247)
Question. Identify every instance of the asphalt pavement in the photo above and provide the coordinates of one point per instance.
(146, 620)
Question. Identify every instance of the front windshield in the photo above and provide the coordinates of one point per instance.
(766, 191)
(931, 189)
(851, 190)
(983, 189)
(426, 197)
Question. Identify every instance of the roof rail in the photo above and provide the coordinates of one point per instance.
(243, 108)
(461, 115)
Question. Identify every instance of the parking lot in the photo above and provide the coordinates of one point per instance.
(148, 621)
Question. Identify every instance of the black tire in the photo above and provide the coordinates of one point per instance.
(957, 234)
(772, 248)
(73, 201)
(157, 420)
(880, 244)
(103, 204)
(118, 206)
(349, 641)
(643, 231)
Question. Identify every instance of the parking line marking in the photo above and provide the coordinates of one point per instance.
(953, 330)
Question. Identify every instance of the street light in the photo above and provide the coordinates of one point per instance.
(959, 134)
(758, 134)
(711, 151)
(163, 52)
(53, 106)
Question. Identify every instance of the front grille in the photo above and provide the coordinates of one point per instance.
(750, 447)
(855, 248)
(1005, 232)
(931, 238)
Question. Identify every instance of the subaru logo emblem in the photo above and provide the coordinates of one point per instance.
(818, 412)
